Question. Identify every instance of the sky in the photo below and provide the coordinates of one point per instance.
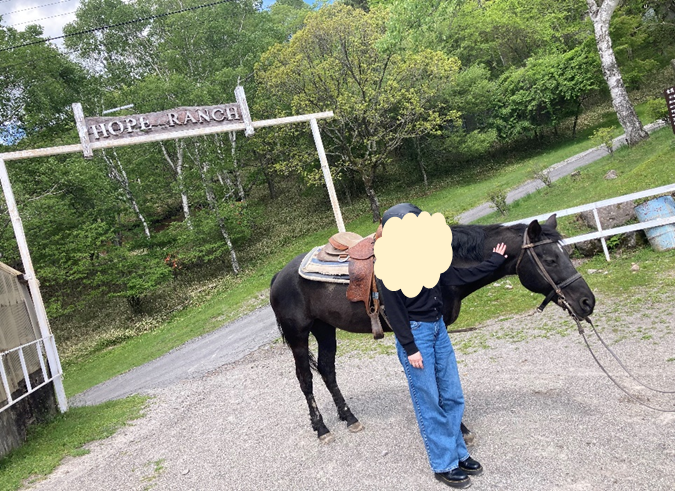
(52, 15)
(21, 13)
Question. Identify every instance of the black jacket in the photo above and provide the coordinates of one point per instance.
(427, 306)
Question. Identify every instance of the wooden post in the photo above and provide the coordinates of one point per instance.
(82, 131)
(326, 175)
(33, 285)
(599, 226)
(240, 96)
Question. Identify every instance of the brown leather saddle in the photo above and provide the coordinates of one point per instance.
(360, 252)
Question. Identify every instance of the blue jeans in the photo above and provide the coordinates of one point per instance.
(436, 394)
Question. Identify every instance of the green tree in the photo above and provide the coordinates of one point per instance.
(379, 97)
(545, 91)
(498, 34)
(38, 83)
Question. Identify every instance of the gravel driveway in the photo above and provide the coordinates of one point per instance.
(544, 415)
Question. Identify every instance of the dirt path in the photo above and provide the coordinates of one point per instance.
(544, 415)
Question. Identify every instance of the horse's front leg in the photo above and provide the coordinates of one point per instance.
(325, 337)
(300, 351)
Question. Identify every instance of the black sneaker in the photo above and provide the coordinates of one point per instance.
(471, 467)
(456, 478)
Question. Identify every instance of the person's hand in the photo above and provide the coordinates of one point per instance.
(500, 249)
(416, 360)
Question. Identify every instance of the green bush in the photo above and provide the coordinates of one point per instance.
(544, 177)
(657, 109)
(604, 136)
(498, 198)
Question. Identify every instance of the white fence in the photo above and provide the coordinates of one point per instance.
(602, 234)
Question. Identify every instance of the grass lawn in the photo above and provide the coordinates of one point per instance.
(47, 444)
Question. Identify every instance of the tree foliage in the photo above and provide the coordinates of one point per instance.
(379, 97)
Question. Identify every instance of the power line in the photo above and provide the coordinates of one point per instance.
(36, 7)
(133, 21)
(35, 21)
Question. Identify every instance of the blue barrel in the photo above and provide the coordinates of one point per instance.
(661, 238)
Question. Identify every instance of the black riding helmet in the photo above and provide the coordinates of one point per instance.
(400, 210)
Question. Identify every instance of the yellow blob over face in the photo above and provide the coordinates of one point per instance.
(413, 252)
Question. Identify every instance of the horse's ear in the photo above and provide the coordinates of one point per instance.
(534, 230)
(552, 221)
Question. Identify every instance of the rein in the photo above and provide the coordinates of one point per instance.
(562, 301)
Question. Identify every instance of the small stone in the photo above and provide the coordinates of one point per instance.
(508, 286)
(385, 453)
(611, 175)
(591, 271)
(185, 472)
(634, 267)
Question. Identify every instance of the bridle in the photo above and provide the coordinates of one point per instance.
(528, 247)
(557, 289)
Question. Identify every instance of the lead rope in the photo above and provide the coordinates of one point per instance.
(529, 246)
(567, 307)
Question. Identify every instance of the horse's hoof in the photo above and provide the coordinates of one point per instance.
(327, 438)
(469, 438)
(355, 427)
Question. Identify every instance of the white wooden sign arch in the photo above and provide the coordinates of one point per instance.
(100, 133)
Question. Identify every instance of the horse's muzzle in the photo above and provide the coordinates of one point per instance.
(587, 305)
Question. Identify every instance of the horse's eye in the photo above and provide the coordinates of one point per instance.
(549, 261)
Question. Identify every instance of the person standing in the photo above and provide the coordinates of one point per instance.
(428, 359)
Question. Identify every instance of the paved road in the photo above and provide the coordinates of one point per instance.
(238, 338)
(556, 171)
(191, 360)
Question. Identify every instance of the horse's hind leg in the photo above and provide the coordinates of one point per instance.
(467, 434)
(300, 349)
(325, 336)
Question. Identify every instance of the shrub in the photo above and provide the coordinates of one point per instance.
(544, 177)
(603, 136)
(657, 109)
(498, 198)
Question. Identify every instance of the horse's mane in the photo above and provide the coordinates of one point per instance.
(468, 241)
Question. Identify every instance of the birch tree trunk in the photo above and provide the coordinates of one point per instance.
(237, 174)
(370, 192)
(601, 16)
(118, 174)
(420, 162)
(177, 167)
(213, 204)
(225, 174)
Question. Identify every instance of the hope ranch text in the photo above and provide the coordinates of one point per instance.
(181, 118)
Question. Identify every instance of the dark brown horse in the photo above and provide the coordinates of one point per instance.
(303, 307)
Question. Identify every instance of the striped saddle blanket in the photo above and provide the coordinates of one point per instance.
(313, 269)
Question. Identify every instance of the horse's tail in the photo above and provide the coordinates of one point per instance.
(281, 331)
(312, 359)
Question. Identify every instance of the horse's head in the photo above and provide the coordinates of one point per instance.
(544, 267)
